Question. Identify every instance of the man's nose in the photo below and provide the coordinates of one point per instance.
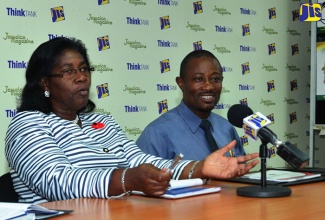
(208, 85)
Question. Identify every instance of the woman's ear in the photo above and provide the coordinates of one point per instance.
(44, 83)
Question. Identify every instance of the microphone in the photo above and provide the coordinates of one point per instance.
(242, 116)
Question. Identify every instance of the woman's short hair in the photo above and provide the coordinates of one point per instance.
(42, 62)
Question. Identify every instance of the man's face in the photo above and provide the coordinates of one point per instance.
(201, 85)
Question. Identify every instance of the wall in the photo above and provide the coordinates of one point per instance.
(136, 47)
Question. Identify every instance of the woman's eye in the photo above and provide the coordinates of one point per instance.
(69, 71)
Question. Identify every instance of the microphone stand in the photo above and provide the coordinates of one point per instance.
(263, 191)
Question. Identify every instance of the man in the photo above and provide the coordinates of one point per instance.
(178, 130)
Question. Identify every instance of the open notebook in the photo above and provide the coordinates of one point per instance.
(185, 188)
(25, 211)
(282, 177)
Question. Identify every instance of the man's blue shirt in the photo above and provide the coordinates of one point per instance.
(177, 131)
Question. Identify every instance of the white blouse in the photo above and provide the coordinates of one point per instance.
(54, 159)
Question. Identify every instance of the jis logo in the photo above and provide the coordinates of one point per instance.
(103, 2)
(244, 140)
(197, 45)
(293, 117)
(57, 14)
(249, 131)
(310, 12)
(270, 86)
(198, 7)
(293, 85)
(271, 118)
(294, 49)
(246, 30)
(164, 66)
(243, 101)
(271, 48)
(164, 22)
(295, 15)
(162, 106)
(245, 68)
(257, 120)
(272, 13)
(103, 43)
(102, 90)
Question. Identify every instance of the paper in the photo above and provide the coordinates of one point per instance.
(189, 191)
(322, 132)
(185, 188)
(282, 175)
(176, 184)
(15, 210)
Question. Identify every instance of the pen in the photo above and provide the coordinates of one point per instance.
(176, 159)
(232, 153)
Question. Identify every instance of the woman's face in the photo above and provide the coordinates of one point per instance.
(68, 95)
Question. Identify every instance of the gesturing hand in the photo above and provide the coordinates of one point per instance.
(218, 166)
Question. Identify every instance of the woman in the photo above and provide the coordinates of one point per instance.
(58, 149)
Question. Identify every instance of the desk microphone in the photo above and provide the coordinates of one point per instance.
(254, 126)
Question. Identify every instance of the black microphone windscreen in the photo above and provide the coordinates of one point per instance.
(237, 113)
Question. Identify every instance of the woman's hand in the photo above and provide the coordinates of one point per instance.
(148, 179)
(218, 166)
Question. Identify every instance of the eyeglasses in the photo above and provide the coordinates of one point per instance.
(71, 73)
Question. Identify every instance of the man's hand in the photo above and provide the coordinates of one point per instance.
(218, 166)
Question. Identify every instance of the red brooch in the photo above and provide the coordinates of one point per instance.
(97, 125)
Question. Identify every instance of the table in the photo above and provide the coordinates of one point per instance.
(307, 201)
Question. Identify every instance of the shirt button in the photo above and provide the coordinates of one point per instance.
(105, 150)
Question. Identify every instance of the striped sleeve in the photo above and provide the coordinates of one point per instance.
(41, 171)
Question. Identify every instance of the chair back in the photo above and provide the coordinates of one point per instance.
(7, 192)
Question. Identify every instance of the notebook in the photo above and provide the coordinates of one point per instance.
(283, 177)
(185, 188)
(10, 210)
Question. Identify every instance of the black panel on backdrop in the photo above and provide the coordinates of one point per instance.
(320, 100)
(320, 112)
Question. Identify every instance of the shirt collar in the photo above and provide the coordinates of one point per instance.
(192, 120)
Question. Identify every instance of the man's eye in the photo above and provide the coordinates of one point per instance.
(217, 79)
(198, 79)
